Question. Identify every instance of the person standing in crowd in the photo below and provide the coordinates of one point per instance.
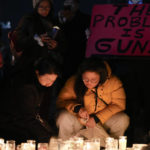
(37, 34)
(22, 104)
(5, 57)
(1, 57)
(1, 66)
(94, 100)
(74, 24)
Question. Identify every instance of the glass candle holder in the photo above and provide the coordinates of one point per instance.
(2, 141)
(42, 146)
(54, 143)
(64, 145)
(32, 144)
(76, 142)
(88, 145)
(2, 144)
(96, 142)
(109, 143)
(122, 142)
(139, 146)
(18, 147)
(115, 144)
(25, 146)
(10, 145)
(74, 148)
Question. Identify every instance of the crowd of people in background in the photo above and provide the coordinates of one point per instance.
(48, 86)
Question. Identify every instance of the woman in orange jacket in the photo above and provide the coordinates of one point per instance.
(94, 100)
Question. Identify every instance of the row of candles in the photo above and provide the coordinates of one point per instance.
(28, 145)
(74, 143)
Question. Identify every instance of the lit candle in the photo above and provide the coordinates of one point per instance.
(2, 144)
(32, 144)
(96, 143)
(42, 146)
(122, 142)
(89, 145)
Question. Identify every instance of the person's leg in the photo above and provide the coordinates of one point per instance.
(117, 124)
(68, 125)
(97, 132)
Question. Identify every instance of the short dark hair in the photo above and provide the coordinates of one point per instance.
(47, 65)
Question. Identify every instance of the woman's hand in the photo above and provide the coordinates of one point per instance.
(91, 123)
(51, 44)
(83, 113)
(83, 116)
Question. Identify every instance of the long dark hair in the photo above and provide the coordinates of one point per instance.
(90, 64)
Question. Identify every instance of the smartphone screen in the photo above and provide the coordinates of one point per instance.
(53, 33)
(135, 1)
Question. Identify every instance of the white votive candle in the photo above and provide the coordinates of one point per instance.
(122, 142)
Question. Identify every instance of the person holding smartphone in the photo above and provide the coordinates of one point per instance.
(32, 34)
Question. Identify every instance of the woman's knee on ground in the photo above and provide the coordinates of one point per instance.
(124, 121)
(118, 123)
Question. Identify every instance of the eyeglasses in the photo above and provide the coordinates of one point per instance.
(92, 81)
(44, 8)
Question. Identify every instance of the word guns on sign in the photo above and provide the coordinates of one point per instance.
(120, 30)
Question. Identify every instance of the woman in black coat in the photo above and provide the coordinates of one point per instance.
(35, 35)
(25, 104)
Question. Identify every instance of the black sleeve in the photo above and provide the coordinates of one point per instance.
(37, 131)
(62, 46)
(25, 33)
(95, 118)
(27, 99)
(77, 108)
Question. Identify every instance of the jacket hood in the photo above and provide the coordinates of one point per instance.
(36, 2)
(108, 69)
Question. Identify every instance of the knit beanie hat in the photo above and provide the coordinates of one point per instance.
(37, 1)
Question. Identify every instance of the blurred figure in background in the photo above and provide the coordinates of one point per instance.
(74, 24)
(5, 57)
(1, 66)
(37, 35)
(15, 51)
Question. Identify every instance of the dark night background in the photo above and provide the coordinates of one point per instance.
(133, 71)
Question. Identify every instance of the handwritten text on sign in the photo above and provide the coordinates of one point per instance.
(120, 30)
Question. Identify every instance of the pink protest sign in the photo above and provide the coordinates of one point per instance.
(120, 30)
